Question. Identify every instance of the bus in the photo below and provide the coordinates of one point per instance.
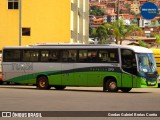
(156, 53)
(112, 67)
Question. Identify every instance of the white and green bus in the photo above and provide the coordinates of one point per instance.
(112, 67)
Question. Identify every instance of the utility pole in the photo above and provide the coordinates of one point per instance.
(117, 9)
(20, 22)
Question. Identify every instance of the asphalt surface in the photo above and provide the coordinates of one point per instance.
(28, 98)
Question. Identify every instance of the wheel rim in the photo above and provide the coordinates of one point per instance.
(112, 85)
(42, 83)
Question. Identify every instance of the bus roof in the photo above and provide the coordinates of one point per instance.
(136, 49)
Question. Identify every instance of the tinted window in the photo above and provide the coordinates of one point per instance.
(69, 55)
(108, 55)
(82, 56)
(30, 56)
(99, 56)
(92, 56)
(11, 55)
(44, 56)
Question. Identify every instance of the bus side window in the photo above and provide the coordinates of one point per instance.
(30, 56)
(34, 56)
(103, 56)
(64, 56)
(12, 55)
(26, 56)
(54, 56)
(82, 57)
(92, 56)
(69, 55)
(44, 56)
(72, 56)
(108, 56)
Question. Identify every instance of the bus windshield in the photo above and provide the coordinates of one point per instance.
(146, 63)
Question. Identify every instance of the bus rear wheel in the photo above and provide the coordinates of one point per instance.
(111, 85)
(125, 89)
(42, 83)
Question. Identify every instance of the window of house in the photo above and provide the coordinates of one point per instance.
(13, 4)
(26, 31)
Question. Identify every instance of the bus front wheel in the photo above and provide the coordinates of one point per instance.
(111, 85)
(42, 83)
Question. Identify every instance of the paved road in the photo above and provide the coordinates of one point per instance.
(28, 98)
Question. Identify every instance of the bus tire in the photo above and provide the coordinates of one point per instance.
(111, 85)
(42, 83)
(59, 87)
(125, 89)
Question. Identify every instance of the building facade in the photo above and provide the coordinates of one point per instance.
(25, 22)
(135, 7)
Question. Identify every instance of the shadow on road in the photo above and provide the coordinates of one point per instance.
(78, 89)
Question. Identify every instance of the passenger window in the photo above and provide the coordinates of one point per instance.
(92, 56)
(30, 55)
(12, 55)
(69, 55)
(44, 56)
(54, 56)
(108, 56)
(82, 56)
(103, 56)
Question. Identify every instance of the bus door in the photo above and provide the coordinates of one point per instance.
(129, 68)
(68, 59)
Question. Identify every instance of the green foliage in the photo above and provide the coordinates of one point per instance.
(101, 32)
(117, 29)
(120, 30)
(143, 44)
(104, 41)
(96, 11)
(127, 5)
(93, 32)
(157, 36)
(132, 13)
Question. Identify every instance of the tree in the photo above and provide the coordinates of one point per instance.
(132, 12)
(143, 44)
(127, 5)
(92, 32)
(101, 32)
(157, 36)
(96, 11)
(120, 30)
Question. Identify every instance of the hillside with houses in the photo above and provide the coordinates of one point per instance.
(108, 11)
